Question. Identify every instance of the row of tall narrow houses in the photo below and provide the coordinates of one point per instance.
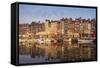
(65, 28)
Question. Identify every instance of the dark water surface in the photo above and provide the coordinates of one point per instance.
(56, 52)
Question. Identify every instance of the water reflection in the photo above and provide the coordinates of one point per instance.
(56, 52)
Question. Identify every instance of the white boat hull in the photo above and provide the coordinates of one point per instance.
(85, 41)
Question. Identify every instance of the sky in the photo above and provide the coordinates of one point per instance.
(29, 13)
